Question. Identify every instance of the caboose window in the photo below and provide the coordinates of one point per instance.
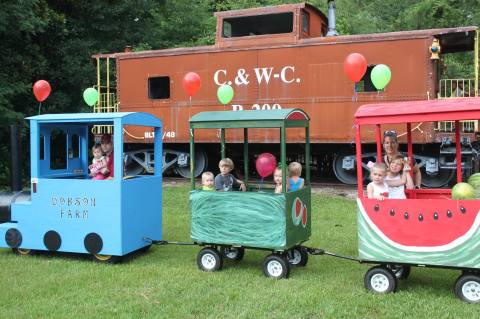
(305, 22)
(258, 25)
(58, 149)
(159, 87)
(365, 84)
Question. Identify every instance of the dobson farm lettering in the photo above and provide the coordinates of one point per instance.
(73, 207)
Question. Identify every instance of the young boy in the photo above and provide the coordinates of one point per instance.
(225, 181)
(207, 181)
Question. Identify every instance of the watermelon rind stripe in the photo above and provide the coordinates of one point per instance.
(458, 241)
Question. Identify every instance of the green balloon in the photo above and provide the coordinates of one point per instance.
(380, 76)
(225, 94)
(90, 96)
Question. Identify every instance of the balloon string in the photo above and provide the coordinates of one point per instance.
(39, 107)
(354, 98)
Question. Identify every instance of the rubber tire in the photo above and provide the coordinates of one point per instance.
(23, 251)
(461, 281)
(209, 253)
(402, 272)
(275, 260)
(106, 259)
(384, 274)
(227, 252)
(302, 252)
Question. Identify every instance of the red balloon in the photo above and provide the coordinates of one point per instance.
(191, 83)
(355, 66)
(265, 164)
(41, 90)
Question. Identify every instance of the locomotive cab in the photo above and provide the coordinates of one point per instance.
(71, 212)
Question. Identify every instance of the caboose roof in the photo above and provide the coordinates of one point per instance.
(247, 119)
(132, 118)
(456, 109)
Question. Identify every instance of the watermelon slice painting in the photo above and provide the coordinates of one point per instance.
(440, 232)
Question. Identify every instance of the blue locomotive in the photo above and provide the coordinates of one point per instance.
(67, 210)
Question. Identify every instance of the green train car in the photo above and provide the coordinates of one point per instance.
(228, 222)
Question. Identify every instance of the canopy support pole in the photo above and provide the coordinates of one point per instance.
(192, 158)
(458, 154)
(283, 158)
(222, 143)
(410, 148)
(379, 143)
(358, 149)
(245, 155)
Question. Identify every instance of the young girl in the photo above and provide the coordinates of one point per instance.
(277, 178)
(207, 181)
(98, 163)
(398, 178)
(295, 182)
(378, 188)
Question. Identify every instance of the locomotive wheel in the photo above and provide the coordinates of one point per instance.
(346, 176)
(208, 259)
(233, 253)
(297, 256)
(108, 259)
(380, 280)
(201, 163)
(467, 288)
(276, 266)
(401, 272)
(442, 178)
(23, 251)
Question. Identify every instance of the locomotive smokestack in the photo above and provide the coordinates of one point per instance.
(331, 19)
(16, 167)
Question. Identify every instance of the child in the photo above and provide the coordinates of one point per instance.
(225, 181)
(98, 163)
(207, 181)
(398, 178)
(277, 178)
(295, 182)
(378, 188)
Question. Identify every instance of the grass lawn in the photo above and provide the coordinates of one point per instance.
(166, 283)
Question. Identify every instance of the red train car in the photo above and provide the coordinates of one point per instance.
(288, 56)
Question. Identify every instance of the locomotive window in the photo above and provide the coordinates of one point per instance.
(365, 84)
(75, 146)
(159, 87)
(42, 147)
(305, 22)
(58, 147)
(258, 25)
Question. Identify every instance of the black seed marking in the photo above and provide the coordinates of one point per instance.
(405, 215)
(376, 208)
(420, 217)
(463, 209)
(449, 214)
(392, 212)
(435, 215)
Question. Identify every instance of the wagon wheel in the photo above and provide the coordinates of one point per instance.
(380, 280)
(276, 266)
(208, 259)
(233, 253)
(23, 251)
(436, 180)
(107, 259)
(297, 256)
(467, 288)
(347, 176)
(400, 271)
(201, 163)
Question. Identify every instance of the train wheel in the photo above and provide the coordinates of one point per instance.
(297, 256)
(233, 253)
(23, 251)
(201, 163)
(208, 259)
(276, 266)
(467, 288)
(442, 178)
(109, 259)
(380, 280)
(345, 167)
(401, 272)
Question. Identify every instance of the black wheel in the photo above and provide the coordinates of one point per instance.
(345, 167)
(23, 251)
(233, 253)
(380, 280)
(400, 271)
(467, 288)
(438, 179)
(201, 163)
(276, 266)
(297, 256)
(209, 259)
(107, 259)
